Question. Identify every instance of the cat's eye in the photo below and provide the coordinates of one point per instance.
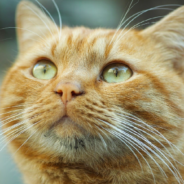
(116, 72)
(44, 69)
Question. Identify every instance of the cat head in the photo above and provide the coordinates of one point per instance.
(80, 93)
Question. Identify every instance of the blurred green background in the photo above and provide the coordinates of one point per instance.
(90, 13)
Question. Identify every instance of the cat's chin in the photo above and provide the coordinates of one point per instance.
(74, 143)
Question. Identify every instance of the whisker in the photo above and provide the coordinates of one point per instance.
(59, 15)
(127, 31)
(127, 144)
(42, 22)
(168, 153)
(123, 133)
(10, 119)
(25, 142)
(141, 147)
(136, 15)
(13, 126)
(120, 24)
(18, 135)
(10, 134)
(43, 7)
(107, 137)
(154, 131)
(150, 128)
(175, 172)
(26, 30)
(10, 112)
(103, 141)
(21, 105)
(137, 25)
(138, 129)
(126, 141)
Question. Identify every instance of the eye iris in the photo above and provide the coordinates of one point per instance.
(44, 70)
(115, 73)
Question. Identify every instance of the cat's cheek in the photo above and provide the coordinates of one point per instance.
(44, 113)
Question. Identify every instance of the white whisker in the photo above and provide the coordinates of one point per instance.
(103, 141)
(48, 14)
(25, 142)
(120, 24)
(126, 142)
(10, 119)
(60, 20)
(43, 22)
(13, 126)
(10, 134)
(28, 31)
(18, 135)
(175, 172)
(136, 15)
(124, 134)
(10, 112)
(21, 105)
(149, 128)
(133, 125)
(137, 25)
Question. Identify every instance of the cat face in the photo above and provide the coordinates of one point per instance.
(84, 108)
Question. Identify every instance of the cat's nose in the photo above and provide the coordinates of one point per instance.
(68, 91)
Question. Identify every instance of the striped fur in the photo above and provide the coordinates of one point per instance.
(120, 133)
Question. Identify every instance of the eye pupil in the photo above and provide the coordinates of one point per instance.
(45, 69)
(116, 71)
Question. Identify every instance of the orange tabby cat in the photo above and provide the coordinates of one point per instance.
(82, 106)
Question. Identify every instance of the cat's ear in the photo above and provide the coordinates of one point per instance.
(32, 25)
(169, 32)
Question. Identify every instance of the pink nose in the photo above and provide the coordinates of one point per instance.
(68, 91)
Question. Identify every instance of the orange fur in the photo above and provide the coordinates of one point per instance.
(108, 123)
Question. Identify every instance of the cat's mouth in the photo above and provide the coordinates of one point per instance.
(63, 120)
(66, 127)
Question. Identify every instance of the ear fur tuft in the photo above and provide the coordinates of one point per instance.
(32, 25)
(169, 32)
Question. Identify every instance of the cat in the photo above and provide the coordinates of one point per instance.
(96, 106)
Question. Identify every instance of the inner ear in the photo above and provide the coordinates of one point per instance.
(33, 25)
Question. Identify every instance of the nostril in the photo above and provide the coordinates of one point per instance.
(59, 92)
(74, 93)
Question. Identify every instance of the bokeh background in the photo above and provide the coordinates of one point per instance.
(90, 13)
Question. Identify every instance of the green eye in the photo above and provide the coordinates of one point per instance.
(44, 69)
(116, 72)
